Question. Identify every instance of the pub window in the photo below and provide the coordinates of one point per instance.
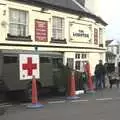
(117, 49)
(112, 49)
(58, 28)
(95, 36)
(101, 35)
(77, 56)
(18, 25)
(70, 62)
(84, 56)
(77, 65)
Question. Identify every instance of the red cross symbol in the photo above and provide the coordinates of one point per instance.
(29, 66)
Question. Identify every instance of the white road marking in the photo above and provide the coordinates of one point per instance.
(63, 101)
(53, 102)
(24, 104)
(73, 101)
(102, 99)
(6, 105)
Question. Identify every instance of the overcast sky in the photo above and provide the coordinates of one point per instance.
(111, 13)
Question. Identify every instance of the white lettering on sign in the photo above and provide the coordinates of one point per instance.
(29, 66)
(80, 32)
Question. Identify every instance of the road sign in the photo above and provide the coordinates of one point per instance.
(29, 66)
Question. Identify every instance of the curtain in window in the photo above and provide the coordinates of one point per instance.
(100, 35)
(18, 22)
(58, 28)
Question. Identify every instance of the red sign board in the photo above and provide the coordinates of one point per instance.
(95, 36)
(41, 30)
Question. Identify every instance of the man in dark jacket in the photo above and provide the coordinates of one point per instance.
(100, 75)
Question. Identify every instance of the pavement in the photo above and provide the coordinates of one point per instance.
(101, 105)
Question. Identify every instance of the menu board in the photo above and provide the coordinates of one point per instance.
(41, 30)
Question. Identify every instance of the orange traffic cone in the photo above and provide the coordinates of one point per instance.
(71, 87)
(35, 103)
(34, 91)
(90, 82)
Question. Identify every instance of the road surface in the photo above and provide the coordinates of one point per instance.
(103, 105)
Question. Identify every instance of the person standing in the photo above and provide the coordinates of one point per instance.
(100, 75)
(84, 81)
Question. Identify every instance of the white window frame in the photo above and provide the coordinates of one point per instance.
(56, 28)
(117, 49)
(81, 60)
(100, 36)
(19, 24)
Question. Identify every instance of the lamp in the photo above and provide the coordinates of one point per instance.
(36, 48)
(43, 9)
(3, 23)
(80, 16)
(4, 12)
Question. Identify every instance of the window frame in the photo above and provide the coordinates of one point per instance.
(100, 36)
(80, 58)
(18, 23)
(55, 35)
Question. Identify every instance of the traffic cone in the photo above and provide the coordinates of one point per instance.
(35, 103)
(90, 82)
(71, 87)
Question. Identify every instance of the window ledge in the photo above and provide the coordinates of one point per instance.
(18, 38)
(62, 41)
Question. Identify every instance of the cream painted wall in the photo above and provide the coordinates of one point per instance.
(3, 20)
(34, 13)
(93, 60)
(68, 55)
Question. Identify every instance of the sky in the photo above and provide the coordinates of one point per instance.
(110, 11)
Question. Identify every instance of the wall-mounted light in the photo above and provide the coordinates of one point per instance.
(3, 23)
(96, 22)
(43, 9)
(36, 48)
(80, 16)
(4, 12)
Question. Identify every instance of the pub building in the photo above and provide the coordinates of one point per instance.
(58, 30)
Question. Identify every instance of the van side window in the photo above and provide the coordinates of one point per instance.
(10, 59)
(57, 62)
(44, 60)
